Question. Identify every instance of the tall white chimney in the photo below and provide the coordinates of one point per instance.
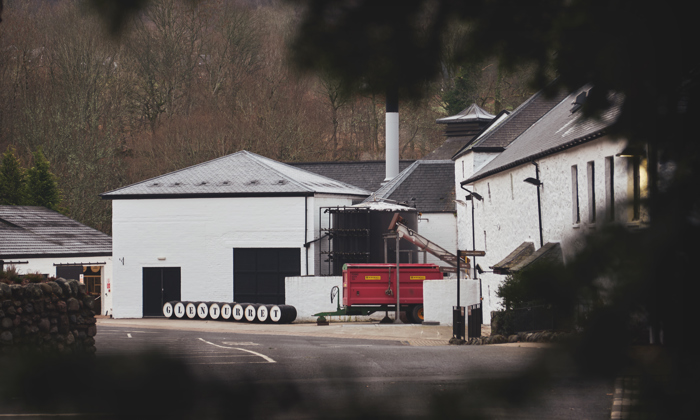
(392, 134)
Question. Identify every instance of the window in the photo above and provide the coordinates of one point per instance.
(575, 215)
(636, 189)
(591, 191)
(609, 189)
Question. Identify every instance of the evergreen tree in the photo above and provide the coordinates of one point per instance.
(12, 188)
(465, 90)
(42, 187)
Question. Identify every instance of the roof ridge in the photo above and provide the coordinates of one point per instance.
(345, 184)
(261, 160)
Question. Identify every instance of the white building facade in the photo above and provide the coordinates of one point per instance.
(586, 180)
(233, 240)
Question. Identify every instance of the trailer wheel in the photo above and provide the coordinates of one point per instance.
(417, 314)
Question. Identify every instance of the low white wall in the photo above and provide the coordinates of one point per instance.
(439, 296)
(312, 294)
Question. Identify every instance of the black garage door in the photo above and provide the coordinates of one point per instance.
(258, 273)
(160, 285)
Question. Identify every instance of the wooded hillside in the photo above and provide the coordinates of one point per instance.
(186, 83)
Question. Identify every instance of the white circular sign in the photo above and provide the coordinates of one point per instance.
(214, 311)
(262, 313)
(168, 310)
(191, 310)
(275, 313)
(238, 310)
(225, 311)
(250, 313)
(202, 310)
(179, 310)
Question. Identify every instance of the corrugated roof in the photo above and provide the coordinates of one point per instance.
(37, 231)
(238, 174)
(427, 184)
(368, 175)
(557, 130)
(471, 113)
(515, 124)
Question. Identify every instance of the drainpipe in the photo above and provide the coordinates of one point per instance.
(539, 201)
(537, 183)
(306, 230)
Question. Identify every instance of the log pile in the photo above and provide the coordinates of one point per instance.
(53, 317)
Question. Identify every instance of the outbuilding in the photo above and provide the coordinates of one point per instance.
(230, 229)
(36, 240)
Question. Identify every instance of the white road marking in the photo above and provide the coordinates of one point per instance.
(128, 335)
(269, 359)
(242, 343)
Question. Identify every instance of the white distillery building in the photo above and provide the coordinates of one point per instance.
(583, 177)
(36, 240)
(230, 229)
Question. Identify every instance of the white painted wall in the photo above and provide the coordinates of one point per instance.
(508, 215)
(312, 294)
(440, 228)
(466, 166)
(439, 296)
(46, 266)
(199, 235)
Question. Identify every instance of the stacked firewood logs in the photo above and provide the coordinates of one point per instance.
(53, 317)
(231, 311)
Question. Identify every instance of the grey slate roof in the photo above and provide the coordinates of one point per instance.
(471, 113)
(430, 182)
(368, 175)
(525, 254)
(518, 255)
(28, 231)
(517, 122)
(448, 148)
(559, 129)
(241, 174)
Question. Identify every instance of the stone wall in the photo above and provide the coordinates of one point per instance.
(53, 317)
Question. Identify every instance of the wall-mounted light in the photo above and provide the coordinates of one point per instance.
(632, 151)
(161, 258)
(473, 195)
(481, 270)
(533, 181)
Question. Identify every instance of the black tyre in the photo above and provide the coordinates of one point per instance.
(417, 314)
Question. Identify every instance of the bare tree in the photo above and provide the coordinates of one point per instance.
(164, 47)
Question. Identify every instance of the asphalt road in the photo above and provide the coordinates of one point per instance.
(266, 376)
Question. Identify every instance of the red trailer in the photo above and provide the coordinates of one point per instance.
(369, 288)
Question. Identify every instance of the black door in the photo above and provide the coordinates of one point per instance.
(258, 273)
(160, 285)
